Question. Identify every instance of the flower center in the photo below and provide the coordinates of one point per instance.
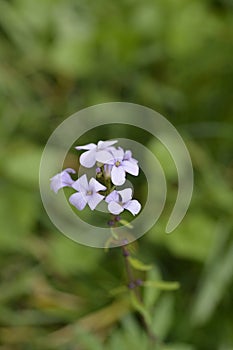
(117, 163)
(89, 193)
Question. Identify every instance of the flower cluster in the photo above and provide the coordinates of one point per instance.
(112, 164)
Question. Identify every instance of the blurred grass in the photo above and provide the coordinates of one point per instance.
(57, 57)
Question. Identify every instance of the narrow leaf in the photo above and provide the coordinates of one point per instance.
(126, 223)
(114, 234)
(118, 290)
(139, 265)
(139, 307)
(162, 285)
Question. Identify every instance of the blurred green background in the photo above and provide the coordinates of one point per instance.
(57, 57)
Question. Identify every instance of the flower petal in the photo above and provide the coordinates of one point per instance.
(61, 180)
(56, 183)
(118, 175)
(115, 208)
(66, 179)
(130, 167)
(94, 200)
(87, 147)
(118, 154)
(126, 194)
(128, 156)
(133, 206)
(70, 170)
(112, 197)
(96, 186)
(81, 184)
(87, 159)
(105, 144)
(104, 157)
(78, 200)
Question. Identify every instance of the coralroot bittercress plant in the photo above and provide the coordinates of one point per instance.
(111, 167)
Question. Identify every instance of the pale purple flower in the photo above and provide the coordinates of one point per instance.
(61, 180)
(94, 152)
(128, 156)
(120, 165)
(120, 200)
(87, 193)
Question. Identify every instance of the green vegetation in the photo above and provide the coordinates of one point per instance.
(57, 57)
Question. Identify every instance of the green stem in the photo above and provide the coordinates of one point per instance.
(131, 280)
(135, 289)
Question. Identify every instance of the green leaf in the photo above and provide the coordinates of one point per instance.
(114, 234)
(138, 306)
(162, 285)
(87, 340)
(138, 265)
(178, 346)
(192, 239)
(162, 315)
(69, 257)
(126, 223)
(118, 290)
(150, 295)
(22, 164)
(214, 284)
(128, 336)
(108, 244)
(18, 211)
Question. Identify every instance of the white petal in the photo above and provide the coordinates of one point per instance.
(61, 180)
(87, 159)
(112, 148)
(66, 179)
(87, 147)
(70, 170)
(56, 183)
(130, 167)
(118, 175)
(115, 208)
(112, 197)
(118, 154)
(126, 194)
(133, 206)
(94, 200)
(105, 144)
(127, 155)
(133, 160)
(104, 157)
(81, 184)
(96, 186)
(78, 200)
